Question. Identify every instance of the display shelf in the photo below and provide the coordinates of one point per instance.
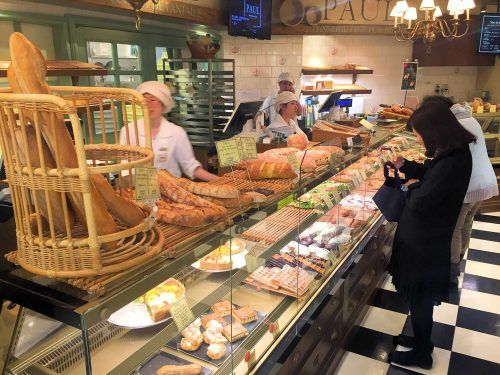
(80, 310)
(346, 88)
(336, 70)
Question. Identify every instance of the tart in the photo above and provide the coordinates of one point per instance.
(159, 299)
(235, 245)
(234, 331)
(207, 318)
(245, 315)
(217, 260)
(223, 308)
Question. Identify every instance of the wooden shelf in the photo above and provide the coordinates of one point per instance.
(61, 68)
(336, 70)
(347, 89)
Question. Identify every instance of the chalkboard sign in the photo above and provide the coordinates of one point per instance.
(250, 18)
(489, 40)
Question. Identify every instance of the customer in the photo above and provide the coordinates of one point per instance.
(284, 123)
(420, 263)
(483, 182)
(171, 145)
(285, 83)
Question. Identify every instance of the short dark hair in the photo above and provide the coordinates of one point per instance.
(439, 129)
(438, 98)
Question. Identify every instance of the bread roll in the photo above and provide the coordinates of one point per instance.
(260, 170)
(297, 140)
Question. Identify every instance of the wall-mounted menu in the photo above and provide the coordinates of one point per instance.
(489, 41)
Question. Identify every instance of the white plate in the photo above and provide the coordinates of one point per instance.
(238, 261)
(134, 315)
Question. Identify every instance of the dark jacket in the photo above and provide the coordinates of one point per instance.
(420, 260)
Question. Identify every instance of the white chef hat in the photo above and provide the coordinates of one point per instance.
(161, 91)
(285, 76)
(283, 98)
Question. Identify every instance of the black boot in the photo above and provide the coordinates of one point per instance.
(408, 342)
(454, 273)
(411, 358)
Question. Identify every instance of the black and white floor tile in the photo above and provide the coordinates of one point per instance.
(466, 331)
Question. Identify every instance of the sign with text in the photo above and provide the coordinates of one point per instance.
(409, 78)
(366, 124)
(247, 148)
(146, 184)
(181, 314)
(228, 152)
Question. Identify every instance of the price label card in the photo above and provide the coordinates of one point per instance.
(146, 184)
(337, 196)
(493, 108)
(282, 203)
(326, 198)
(228, 152)
(181, 314)
(480, 109)
(350, 142)
(292, 158)
(363, 174)
(366, 124)
(248, 148)
(276, 329)
(154, 185)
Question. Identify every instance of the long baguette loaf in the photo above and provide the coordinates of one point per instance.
(126, 210)
(192, 369)
(188, 216)
(260, 170)
(209, 190)
(30, 153)
(29, 69)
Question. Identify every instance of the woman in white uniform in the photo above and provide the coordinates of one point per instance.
(284, 123)
(170, 142)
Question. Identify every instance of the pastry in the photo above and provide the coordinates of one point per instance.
(207, 318)
(159, 299)
(190, 345)
(216, 350)
(217, 260)
(245, 315)
(223, 308)
(193, 327)
(192, 369)
(213, 332)
(236, 245)
(234, 331)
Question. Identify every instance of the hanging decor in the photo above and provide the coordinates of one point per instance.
(408, 27)
(137, 5)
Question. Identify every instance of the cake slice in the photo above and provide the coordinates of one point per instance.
(223, 308)
(245, 315)
(234, 331)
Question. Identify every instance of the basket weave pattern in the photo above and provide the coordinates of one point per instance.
(40, 185)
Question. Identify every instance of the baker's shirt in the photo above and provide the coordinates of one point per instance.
(268, 108)
(279, 126)
(171, 147)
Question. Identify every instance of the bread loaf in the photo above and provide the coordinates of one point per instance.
(189, 216)
(260, 170)
(244, 200)
(297, 140)
(126, 210)
(209, 190)
(331, 149)
(192, 369)
(283, 151)
(308, 164)
(320, 157)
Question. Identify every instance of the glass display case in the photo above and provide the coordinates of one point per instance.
(490, 123)
(228, 298)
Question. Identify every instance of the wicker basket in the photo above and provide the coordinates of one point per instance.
(78, 251)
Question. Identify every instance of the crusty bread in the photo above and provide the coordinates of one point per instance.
(260, 170)
(191, 369)
(297, 140)
(280, 151)
(331, 149)
(189, 216)
(244, 200)
(209, 190)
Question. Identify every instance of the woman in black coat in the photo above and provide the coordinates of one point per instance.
(420, 263)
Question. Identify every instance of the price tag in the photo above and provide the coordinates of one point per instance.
(250, 359)
(282, 203)
(181, 314)
(248, 148)
(336, 196)
(350, 142)
(274, 328)
(493, 108)
(228, 152)
(363, 174)
(326, 198)
(480, 109)
(253, 262)
(292, 158)
(146, 184)
(366, 124)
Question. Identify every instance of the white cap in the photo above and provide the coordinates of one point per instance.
(161, 91)
(283, 98)
(285, 76)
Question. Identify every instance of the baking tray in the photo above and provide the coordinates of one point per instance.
(201, 353)
(162, 359)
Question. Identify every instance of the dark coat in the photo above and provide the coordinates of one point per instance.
(420, 260)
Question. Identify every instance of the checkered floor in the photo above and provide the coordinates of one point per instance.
(466, 330)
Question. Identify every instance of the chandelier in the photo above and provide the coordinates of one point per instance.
(407, 27)
(137, 5)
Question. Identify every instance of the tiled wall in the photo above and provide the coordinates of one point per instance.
(258, 65)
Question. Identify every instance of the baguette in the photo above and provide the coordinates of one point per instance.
(29, 153)
(192, 369)
(244, 200)
(123, 209)
(189, 216)
(261, 170)
(209, 190)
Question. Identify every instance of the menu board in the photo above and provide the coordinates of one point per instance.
(489, 40)
(409, 79)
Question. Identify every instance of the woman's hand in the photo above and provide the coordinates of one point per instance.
(398, 162)
(410, 182)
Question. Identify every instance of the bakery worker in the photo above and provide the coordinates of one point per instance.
(170, 142)
(285, 82)
(284, 124)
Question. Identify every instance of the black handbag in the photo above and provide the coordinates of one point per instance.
(390, 199)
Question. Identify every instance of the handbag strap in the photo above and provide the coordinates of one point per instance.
(397, 179)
